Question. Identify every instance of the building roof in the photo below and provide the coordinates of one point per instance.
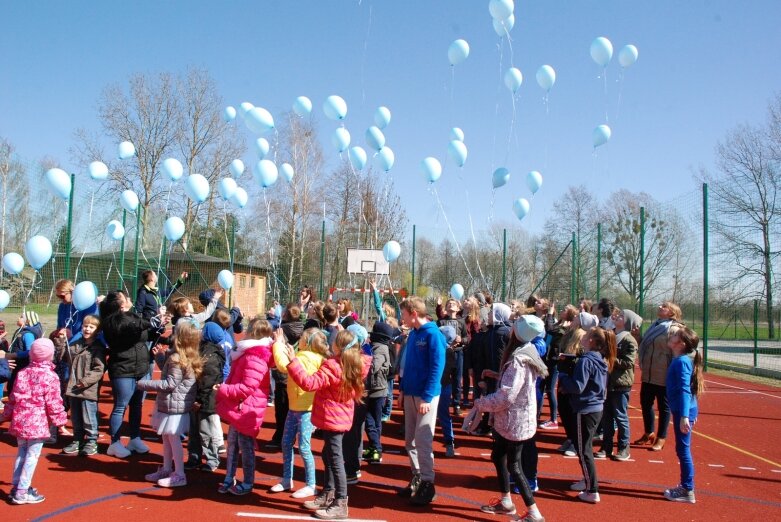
(178, 257)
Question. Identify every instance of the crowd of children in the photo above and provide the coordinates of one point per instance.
(333, 376)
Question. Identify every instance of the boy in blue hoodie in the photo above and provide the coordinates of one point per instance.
(422, 364)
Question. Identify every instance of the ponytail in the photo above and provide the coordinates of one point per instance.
(698, 379)
(691, 341)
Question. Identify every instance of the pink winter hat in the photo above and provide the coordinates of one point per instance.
(42, 350)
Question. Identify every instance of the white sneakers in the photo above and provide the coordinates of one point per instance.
(136, 445)
(578, 486)
(117, 449)
(306, 491)
(279, 487)
(591, 498)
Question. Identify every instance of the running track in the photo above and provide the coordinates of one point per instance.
(736, 451)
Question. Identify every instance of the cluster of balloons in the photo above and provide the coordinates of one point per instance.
(456, 149)
(503, 16)
(37, 250)
(602, 52)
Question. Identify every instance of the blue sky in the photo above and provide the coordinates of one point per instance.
(704, 67)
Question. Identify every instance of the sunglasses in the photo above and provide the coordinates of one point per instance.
(63, 296)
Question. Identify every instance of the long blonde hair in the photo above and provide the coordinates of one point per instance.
(313, 340)
(570, 342)
(186, 343)
(349, 355)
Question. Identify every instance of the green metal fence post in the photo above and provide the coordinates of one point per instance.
(232, 254)
(756, 330)
(705, 302)
(573, 279)
(642, 261)
(68, 233)
(322, 258)
(504, 264)
(413, 261)
(599, 258)
(135, 256)
(122, 252)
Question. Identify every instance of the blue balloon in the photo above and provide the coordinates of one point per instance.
(391, 251)
(382, 117)
(286, 169)
(341, 139)
(520, 208)
(375, 138)
(226, 187)
(172, 168)
(627, 55)
(357, 158)
(229, 114)
(601, 135)
(38, 251)
(5, 299)
(500, 177)
(601, 51)
(457, 291)
(302, 106)
(458, 52)
(386, 158)
(173, 229)
(431, 168)
(126, 150)
(335, 108)
(239, 197)
(546, 77)
(115, 230)
(259, 120)
(197, 188)
(225, 279)
(129, 200)
(501, 9)
(456, 134)
(245, 107)
(534, 181)
(13, 263)
(458, 152)
(503, 27)
(265, 173)
(59, 183)
(84, 295)
(98, 170)
(261, 147)
(237, 166)
(513, 79)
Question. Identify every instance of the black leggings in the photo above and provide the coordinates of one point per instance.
(648, 394)
(506, 455)
(587, 425)
(568, 418)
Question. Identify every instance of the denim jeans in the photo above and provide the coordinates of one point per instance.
(84, 416)
(615, 414)
(298, 423)
(333, 464)
(240, 446)
(506, 456)
(443, 415)
(648, 394)
(387, 408)
(26, 459)
(458, 379)
(684, 451)
(551, 382)
(125, 394)
(374, 407)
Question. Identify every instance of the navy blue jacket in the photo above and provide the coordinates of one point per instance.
(587, 387)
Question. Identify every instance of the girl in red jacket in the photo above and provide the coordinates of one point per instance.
(242, 401)
(337, 385)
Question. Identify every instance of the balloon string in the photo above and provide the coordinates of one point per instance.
(160, 251)
(89, 226)
(547, 129)
(365, 52)
(452, 234)
(620, 93)
(474, 240)
(270, 244)
(604, 78)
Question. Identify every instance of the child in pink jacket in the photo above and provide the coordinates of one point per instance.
(35, 405)
(242, 401)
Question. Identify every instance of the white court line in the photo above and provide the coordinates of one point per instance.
(776, 470)
(716, 465)
(392, 452)
(543, 456)
(485, 454)
(294, 517)
(572, 457)
(656, 461)
(745, 389)
(747, 468)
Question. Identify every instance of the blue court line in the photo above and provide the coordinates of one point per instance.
(91, 502)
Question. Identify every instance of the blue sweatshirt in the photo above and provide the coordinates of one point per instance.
(588, 385)
(424, 362)
(679, 387)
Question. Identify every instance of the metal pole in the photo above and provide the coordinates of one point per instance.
(756, 330)
(413, 261)
(573, 280)
(68, 233)
(122, 253)
(322, 258)
(705, 307)
(642, 261)
(504, 263)
(135, 257)
(599, 258)
(542, 280)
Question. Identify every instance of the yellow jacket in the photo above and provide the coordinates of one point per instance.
(299, 399)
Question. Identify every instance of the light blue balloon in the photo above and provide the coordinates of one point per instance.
(534, 181)
(98, 170)
(259, 120)
(391, 251)
(627, 55)
(601, 51)
(501, 9)
(302, 106)
(375, 138)
(500, 177)
(115, 230)
(357, 158)
(225, 279)
(601, 135)
(458, 52)
(229, 114)
(239, 197)
(513, 79)
(386, 158)
(286, 169)
(38, 251)
(126, 150)
(431, 168)
(226, 187)
(84, 295)
(13, 263)
(503, 27)
(196, 187)
(245, 107)
(335, 108)
(236, 167)
(265, 173)
(546, 77)
(457, 151)
(262, 147)
(382, 117)
(456, 134)
(5, 299)
(173, 229)
(129, 200)
(172, 168)
(59, 183)
(341, 139)
(457, 291)
(520, 208)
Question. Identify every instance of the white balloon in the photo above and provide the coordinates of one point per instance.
(286, 169)
(244, 108)
(129, 200)
(302, 106)
(501, 9)
(261, 147)
(458, 51)
(226, 188)
(503, 27)
(627, 55)
(229, 114)
(259, 120)
(115, 230)
(382, 117)
(601, 135)
(546, 77)
(513, 79)
(601, 51)
(172, 168)
(456, 134)
(98, 170)
(126, 150)
(236, 167)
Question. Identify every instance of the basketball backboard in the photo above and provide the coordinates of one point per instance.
(366, 261)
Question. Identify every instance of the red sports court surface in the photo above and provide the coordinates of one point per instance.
(736, 452)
